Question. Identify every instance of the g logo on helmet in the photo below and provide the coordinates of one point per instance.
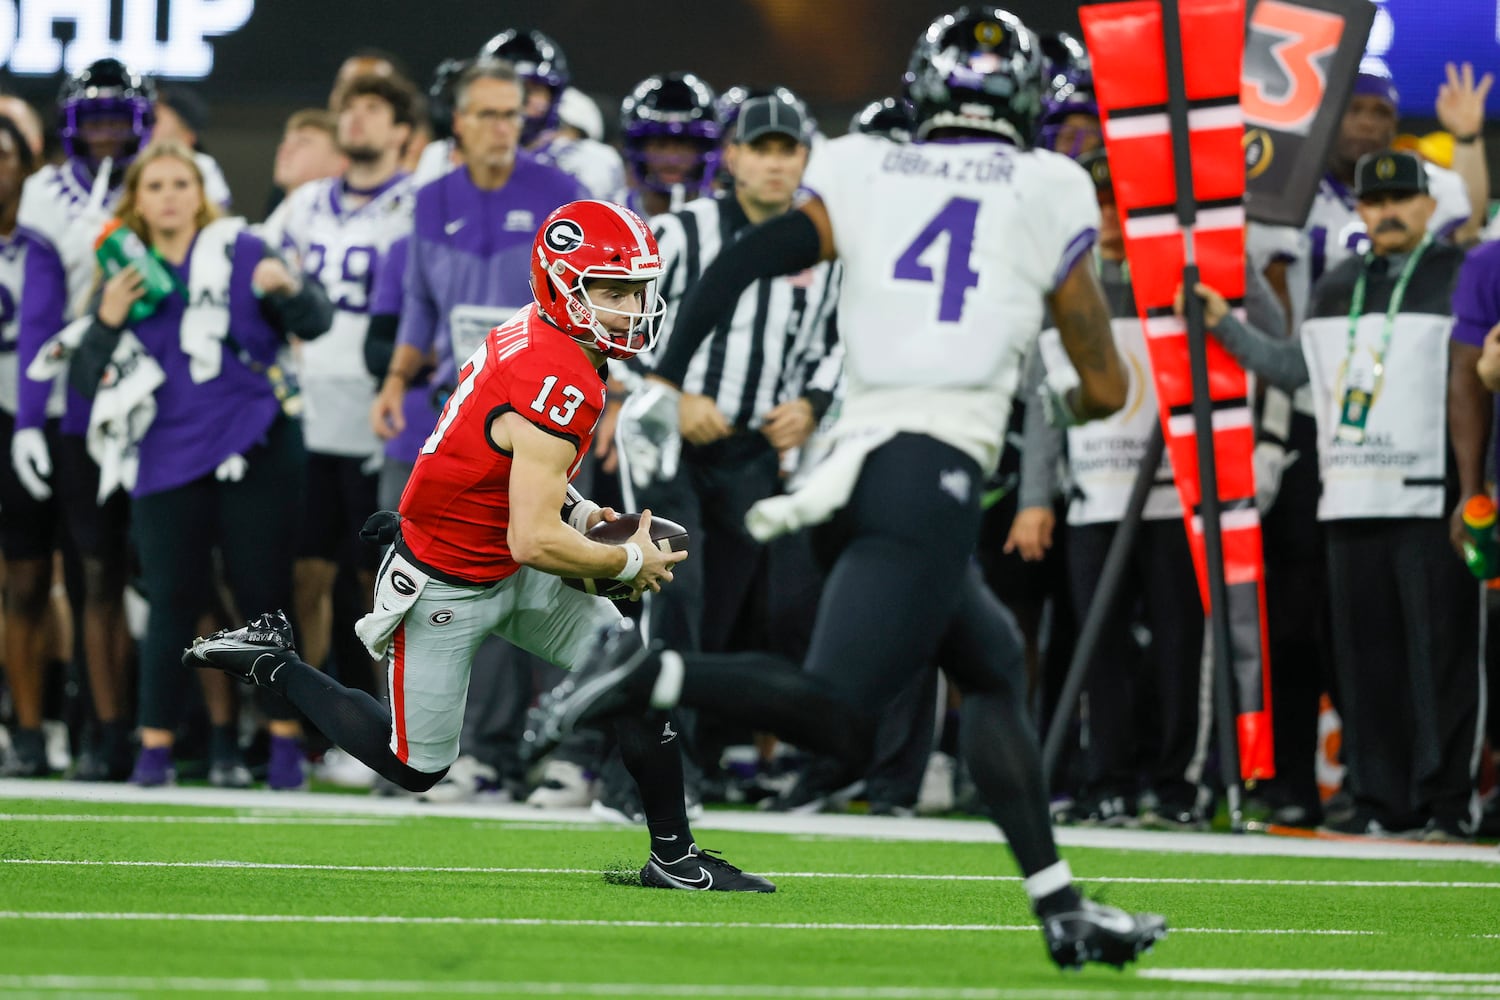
(563, 236)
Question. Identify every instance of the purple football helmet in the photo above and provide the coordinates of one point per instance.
(1070, 91)
(106, 90)
(537, 59)
(977, 70)
(672, 106)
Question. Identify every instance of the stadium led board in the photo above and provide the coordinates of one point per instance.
(168, 38)
(1415, 38)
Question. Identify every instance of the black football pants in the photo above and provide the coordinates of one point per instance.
(903, 592)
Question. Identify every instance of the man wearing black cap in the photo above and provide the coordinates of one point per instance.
(753, 395)
(1286, 446)
(1405, 611)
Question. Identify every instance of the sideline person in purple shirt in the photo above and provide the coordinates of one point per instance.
(221, 465)
(1473, 374)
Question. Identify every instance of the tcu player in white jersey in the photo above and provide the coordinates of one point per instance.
(28, 525)
(107, 113)
(341, 228)
(951, 246)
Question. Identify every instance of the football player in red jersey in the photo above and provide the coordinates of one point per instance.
(481, 549)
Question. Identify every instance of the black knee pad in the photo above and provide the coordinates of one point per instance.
(413, 780)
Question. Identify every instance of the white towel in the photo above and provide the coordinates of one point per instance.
(122, 413)
(398, 588)
(825, 490)
(205, 320)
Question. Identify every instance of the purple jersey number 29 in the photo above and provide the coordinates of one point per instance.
(957, 219)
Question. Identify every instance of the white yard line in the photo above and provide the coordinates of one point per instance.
(396, 919)
(198, 820)
(888, 876)
(837, 826)
(156, 985)
(1323, 982)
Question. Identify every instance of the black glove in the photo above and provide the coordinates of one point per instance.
(381, 528)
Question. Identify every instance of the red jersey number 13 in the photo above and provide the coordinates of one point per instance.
(562, 413)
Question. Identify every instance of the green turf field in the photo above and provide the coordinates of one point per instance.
(143, 900)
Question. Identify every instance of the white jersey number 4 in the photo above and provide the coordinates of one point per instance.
(956, 222)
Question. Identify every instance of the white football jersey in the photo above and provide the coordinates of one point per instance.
(13, 252)
(949, 250)
(593, 164)
(68, 211)
(343, 248)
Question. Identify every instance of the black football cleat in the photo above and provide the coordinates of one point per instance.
(700, 870)
(252, 653)
(615, 679)
(1097, 933)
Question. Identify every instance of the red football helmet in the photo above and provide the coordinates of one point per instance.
(586, 240)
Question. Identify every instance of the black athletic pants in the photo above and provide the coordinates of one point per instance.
(254, 525)
(1161, 580)
(903, 592)
(1406, 646)
(1297, 619)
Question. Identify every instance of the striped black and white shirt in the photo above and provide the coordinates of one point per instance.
(782, 341)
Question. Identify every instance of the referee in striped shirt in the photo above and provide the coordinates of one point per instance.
(754, 393)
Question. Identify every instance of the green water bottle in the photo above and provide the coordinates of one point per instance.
(118, 247)
(1481, 551)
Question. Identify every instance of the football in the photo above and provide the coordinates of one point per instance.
(668, 535)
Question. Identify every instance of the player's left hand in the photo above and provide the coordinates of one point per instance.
(271, 277)
(602, 514)
(789, 425)
(1460, 101)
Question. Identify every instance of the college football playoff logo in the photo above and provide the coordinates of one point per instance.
(563, 236)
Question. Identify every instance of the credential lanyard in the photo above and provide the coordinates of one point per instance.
(1398, 294)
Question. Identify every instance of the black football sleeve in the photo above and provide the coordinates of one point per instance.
(784, 245)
